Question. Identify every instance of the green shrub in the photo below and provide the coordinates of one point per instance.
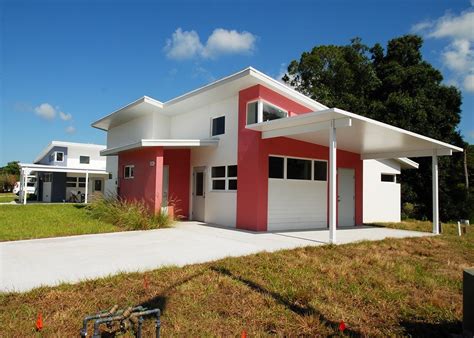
(408, 210)
(129, 215)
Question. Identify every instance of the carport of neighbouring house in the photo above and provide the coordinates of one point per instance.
(61, 181)
(357, 134)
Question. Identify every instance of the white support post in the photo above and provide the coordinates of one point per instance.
(87, 187)
(25, 185)
(332, 183)
(434, 168)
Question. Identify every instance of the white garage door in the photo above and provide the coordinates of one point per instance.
(296, 204)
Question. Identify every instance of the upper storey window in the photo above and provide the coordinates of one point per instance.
(261, 111)
(59, 156)
(218, 126)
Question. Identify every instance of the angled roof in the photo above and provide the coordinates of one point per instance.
(221, 88)
(53, 144)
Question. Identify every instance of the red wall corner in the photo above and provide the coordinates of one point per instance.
(147, 183)
(179, 162)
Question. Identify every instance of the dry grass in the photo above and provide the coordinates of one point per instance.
(386, 288)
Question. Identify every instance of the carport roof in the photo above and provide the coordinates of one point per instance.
(60, 169)
(358, 134)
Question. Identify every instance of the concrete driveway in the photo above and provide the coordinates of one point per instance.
(31, 263)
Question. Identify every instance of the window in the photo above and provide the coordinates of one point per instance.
(260, 111)
(128, 171)
(320, 170)
(298, 169)
(218, 126)
(224, 177)
(71, 182)
(232, 175)
(387, 177)
(82, 182)
(271, 112)
(252, 112)
(276, 167)
(31, 182)
(48, 177)
(84, 159)
(59, 156)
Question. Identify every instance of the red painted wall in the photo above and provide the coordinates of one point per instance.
(147, 183)
(253, 152)
(179, 162)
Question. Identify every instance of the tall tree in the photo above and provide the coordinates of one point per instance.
(398, 87)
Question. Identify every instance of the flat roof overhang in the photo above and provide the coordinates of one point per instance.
(165, 143)
(358, 134)
(61, 169)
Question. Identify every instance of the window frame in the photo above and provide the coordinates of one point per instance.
(226, 178)
(84, 156)
(394, 177)
(131, 172)
(56, 156)
(212, 120)
(260, 103)
(285, 168)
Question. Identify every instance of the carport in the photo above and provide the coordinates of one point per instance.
(31, 170)
(361, 135)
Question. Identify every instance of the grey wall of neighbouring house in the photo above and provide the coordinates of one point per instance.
(46, 160)
(58, 189)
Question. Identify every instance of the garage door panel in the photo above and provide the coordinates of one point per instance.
(296, 204)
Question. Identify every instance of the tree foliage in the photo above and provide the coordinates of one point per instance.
(395, 86)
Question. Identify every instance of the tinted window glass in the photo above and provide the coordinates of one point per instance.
(84, 159)
(59, 157)
(320, 170)
(218, 171)
(199, 184)
(218, 126)
(218, 184)
(275, 167)
(252, 113)
(298, 169)
(232, 184)
(97, 185)
(272, 113)
(388, 178)
(232, 171)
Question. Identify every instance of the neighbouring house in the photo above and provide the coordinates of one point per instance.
(249, 152)
(65, 171)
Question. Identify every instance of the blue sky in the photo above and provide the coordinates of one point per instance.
(65, 64)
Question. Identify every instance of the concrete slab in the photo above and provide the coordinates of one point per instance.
(27, 264)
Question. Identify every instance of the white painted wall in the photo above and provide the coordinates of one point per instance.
(220, 206)
(296, 204)
(381, 200)
(95, 162)
(112, 168)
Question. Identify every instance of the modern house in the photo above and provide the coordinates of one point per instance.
(249, 152)
(66, 171)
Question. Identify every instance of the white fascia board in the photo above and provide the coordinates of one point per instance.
(407, 163)
(168, 143)
(307, 128)
(143, 99)
(414, 153)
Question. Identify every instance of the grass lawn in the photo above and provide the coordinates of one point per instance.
(387, 288)
(7, 197)
(39, 221)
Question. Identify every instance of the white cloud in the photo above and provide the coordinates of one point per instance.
(223, 41)
(187, 44)
(469, 83)
(458, 56)
(65, 116)
(46, 111)
(183, 45)
(70, 130)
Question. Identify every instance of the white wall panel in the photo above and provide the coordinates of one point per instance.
(381, 201)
